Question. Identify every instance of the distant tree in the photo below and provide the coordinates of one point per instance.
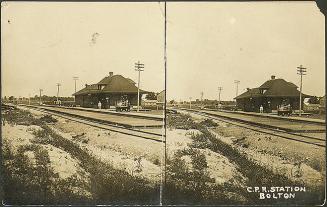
(313, 100)
(172, 101)
(151, 96)
(11, 98)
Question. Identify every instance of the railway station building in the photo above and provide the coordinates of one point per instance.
(270, 95)
(108, 91)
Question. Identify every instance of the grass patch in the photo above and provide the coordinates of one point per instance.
(48, 119)
(181, 121)
(34, 182)
(107, 185)
(257, 175)
(20, 117)
(208, 123)
(192, 184)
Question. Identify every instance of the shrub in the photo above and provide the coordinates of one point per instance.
(21, 117)
(208, 123)
(193, 186)
(48, 119)
(186, 185)
(107, 184)
(181, 121)
(36, 183)
(201, 140)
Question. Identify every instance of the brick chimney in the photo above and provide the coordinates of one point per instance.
(273, 77)
(111, 74)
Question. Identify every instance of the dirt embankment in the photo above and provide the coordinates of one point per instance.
(245, 159)
(51, 166)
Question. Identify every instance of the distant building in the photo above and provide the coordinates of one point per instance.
(270, 95)
(108, 91)
(149, 103)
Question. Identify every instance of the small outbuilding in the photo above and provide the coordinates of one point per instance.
(108, 92)
(270, 95)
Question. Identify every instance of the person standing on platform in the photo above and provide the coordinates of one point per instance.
(261, 109)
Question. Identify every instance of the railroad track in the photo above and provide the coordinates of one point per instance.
(104, 125)
(270, 131)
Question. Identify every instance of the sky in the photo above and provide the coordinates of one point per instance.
(45, 43)
(211, 44)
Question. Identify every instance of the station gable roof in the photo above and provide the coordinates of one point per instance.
(254, 92)
(111, 84)
(273, 88)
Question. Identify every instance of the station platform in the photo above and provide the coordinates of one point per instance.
(271, 121)
(142, 115)
(275, 116)
(114, 118)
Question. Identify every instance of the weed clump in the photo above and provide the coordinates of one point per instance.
(201, 140)
(190, 182)
(192, 185)
(48, 119)
(181, 121)
(33, 181)
(208, 123)
(20, 117)
(29, 181)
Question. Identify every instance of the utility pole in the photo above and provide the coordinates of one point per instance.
(29, 99)
(237, 82)
(202, 98)
(301, 71)
(41, 96)
(75, 79)
(58, 85)
(138, 67)
(219, 89)
(190, 102)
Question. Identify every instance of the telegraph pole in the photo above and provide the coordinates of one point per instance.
(202, 98)
(41, 96)
(75, 79)
(219, 89)
(138, 67)
(301, 71)
(237, 82)
(190, 102)
(58, 85)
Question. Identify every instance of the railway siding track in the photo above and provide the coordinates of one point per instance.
(103, 124)
(269, 122)
(285, 134)
(127, 114)
(113, 119)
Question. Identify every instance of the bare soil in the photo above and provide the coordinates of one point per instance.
(286, 161)
(78, 161)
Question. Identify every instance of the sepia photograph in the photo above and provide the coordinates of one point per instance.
(163, 103)
(83, 92)
(245, 103)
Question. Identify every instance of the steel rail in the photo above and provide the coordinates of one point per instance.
(259, 129)
(103, 125)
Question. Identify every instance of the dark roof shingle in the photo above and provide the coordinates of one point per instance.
(112, 84)
(273, 88)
